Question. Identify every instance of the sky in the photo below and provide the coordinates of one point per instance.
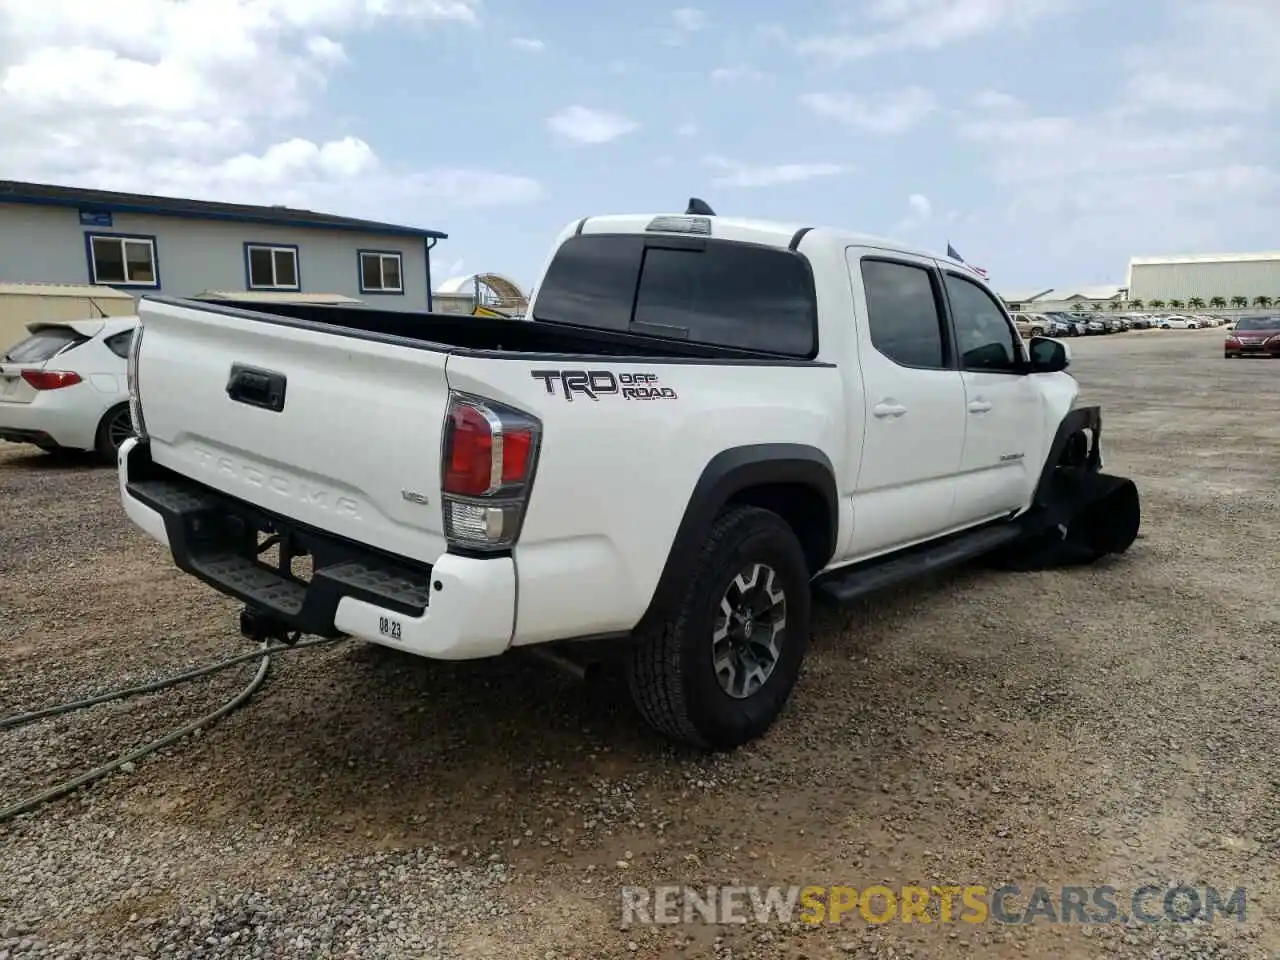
(1046, 140)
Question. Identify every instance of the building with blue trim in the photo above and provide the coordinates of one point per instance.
(183, 248)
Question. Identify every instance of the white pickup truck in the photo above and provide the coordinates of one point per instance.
(702, 423)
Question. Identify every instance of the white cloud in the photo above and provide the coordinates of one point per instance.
(887, 114)
(992, 101)
(687, 129)
(531, 44)
(585, 125)
(734, 174)
(1163, 89)
(920, 206)
(689, 18)
(326, 50)
(685, 21)
(344, 176)
(919, 213)
(1217, 57)
(1181, 159)
(770, 33)
(737, 74)
(1035, 149)
(927, 25)
(170, 100)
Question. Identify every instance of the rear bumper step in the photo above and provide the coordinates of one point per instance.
(216, 539)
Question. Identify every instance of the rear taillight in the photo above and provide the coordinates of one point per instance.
(490, 452)
(51, 379)
(135, 397)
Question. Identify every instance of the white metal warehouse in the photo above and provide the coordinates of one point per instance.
(1227, 275)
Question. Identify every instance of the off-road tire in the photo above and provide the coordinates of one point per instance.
(670, 666)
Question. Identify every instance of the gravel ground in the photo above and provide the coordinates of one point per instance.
(1114, 725)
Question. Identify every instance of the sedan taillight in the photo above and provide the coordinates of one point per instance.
(51, 379)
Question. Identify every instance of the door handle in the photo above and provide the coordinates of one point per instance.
(979, 406)
(888, 409)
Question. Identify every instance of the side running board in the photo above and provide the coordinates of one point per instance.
(848, 584)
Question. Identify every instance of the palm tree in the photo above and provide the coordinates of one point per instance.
(1218, 303)
(1157, 304)
(1097, 308)
(1136, 304)
(1262, 301)
(1196, 303)
(1116, 306)
(1239, 301)
(1175, 304)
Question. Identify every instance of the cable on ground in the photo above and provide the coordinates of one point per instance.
(265, 652)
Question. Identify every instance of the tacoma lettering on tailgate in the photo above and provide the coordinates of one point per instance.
(290, 488)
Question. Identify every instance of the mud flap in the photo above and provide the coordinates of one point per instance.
(1083, 516)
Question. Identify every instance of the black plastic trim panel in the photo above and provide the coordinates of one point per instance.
(1080, 418)
(732, 472)
(215, 537)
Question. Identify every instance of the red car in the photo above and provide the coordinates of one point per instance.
(1253, 337)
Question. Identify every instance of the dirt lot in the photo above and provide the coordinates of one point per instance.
(1115, 725)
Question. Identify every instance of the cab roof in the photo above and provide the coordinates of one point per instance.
(744, 230)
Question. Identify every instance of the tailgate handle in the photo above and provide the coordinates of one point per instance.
(256, 387)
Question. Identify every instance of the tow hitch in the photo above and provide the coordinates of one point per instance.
(260, 627)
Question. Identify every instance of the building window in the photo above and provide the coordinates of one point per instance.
(122, 261)
(271, 267)
(380, 272)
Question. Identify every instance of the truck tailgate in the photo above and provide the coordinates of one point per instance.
(353, 448)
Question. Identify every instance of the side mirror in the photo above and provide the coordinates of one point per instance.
(1048, 355)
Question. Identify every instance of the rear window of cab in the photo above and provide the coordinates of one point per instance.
(707, 291)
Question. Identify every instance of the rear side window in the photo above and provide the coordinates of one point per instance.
(591, 282)
(728, 294)
(119, 343)
(902, 314)
(719, 293)
(43, 345)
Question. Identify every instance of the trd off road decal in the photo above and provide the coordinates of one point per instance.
(594, 384)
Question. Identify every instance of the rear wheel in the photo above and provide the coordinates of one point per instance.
(114, 429)
(717, 671)
(1037, 331)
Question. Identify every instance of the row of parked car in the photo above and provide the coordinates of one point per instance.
(1092, 324)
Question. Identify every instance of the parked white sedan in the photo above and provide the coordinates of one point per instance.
(1179, 323)
(65, 386)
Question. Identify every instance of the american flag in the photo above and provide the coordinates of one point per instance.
(951, 252)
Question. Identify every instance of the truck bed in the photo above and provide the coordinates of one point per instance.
(478, 336)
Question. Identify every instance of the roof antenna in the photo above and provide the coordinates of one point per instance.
(699, 208)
